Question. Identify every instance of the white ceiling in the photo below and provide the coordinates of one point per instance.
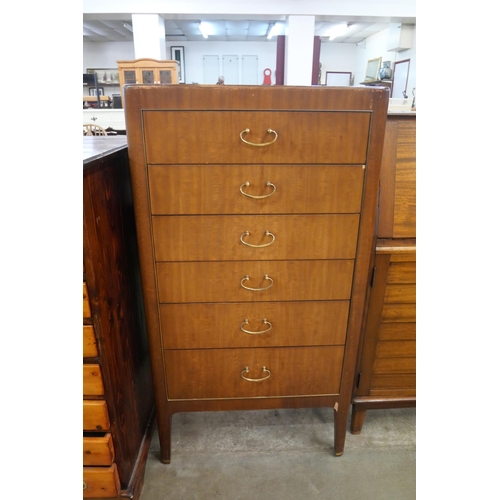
(233, 28)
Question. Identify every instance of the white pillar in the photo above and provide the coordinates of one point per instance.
(149, 36)
(299, 48)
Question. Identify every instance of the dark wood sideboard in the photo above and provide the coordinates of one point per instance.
(118, 406)
(386, 371)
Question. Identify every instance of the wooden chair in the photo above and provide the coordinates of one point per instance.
(93, 129)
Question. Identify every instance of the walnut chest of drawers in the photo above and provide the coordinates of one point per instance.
(255, 210)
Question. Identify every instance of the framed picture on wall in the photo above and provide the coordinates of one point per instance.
(106, 76)
(177, 54)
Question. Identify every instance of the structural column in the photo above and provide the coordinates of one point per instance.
(299, 48)
(149, 36)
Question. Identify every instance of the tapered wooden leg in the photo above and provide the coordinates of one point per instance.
(164, 434)
(357, 419)
(340, 430)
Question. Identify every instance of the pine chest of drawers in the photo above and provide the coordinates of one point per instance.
(255, 210)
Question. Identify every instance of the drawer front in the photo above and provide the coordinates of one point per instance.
(86, 302)
(98, 450)
(218, 373)
(199, 190)
(218, 136)
(394, 365)
(261, 324)
(234, 237)
(92, 380)
(95, 415)
(402, 272)
(101, 482)
(89, 342)
(268, 280)
(397, 331)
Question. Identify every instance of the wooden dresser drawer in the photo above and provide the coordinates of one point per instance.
(89, 342)
(218, 373)
(98, 450)
(217, 136)
(234, 237)
(253, 324)
(101, 482)
(273, 280)
(92, 380)
(306, 189)
(95, 415)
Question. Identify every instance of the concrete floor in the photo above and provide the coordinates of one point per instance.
(284, 454)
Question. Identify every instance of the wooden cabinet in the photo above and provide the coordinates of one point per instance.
(118, 406)
(148, 72)
(387, 358)
(255, 225)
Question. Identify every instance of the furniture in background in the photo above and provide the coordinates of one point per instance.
(387, 358)
(90, 129)
(255, 224)
(148, 72)
(118, 406)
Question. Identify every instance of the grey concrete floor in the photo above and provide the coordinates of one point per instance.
(284, 454)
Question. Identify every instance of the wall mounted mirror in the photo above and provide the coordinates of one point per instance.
(372, 69)
(400, 78)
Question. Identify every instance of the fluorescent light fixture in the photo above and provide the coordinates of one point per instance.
(128, 26)
(204, 28)
(273, 31)
(338, 30)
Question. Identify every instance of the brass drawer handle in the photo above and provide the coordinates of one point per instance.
(264, 320)
(264, 369)
(257, 197)
(84, 485)
(267, 233)
(266, 277)
(269, 131)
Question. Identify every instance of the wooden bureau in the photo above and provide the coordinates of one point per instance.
(387, 356)
(118, 403)
(255, 211)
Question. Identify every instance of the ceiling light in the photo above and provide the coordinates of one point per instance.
(273, 31)
(204, 29)
(128, 26)
(338, 30)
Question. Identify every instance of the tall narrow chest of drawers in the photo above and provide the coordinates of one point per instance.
(255, 210)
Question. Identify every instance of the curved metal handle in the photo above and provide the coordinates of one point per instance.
(269, 131)
(264, 369)
(257, 197)
(267, 233)
(264, 320)
(266, 277)
(84, 485)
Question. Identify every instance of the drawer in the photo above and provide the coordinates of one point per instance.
(287, 371)
(86, 302)
(92, 380)
(247, 237)
(267, 280)
(98, 450)
(218, 136)
(397, 331)
(89, 342)
(95, 415)
(396, 349)
(399, 313)
(218, 189)
(394, 365)
(101, 482)
(253, 324)
(388, 384)
(402, 272)
(399, 294)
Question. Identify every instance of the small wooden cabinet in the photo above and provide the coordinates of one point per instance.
(118, 407)
(148, 72)
(387, 358)
(255, 224)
